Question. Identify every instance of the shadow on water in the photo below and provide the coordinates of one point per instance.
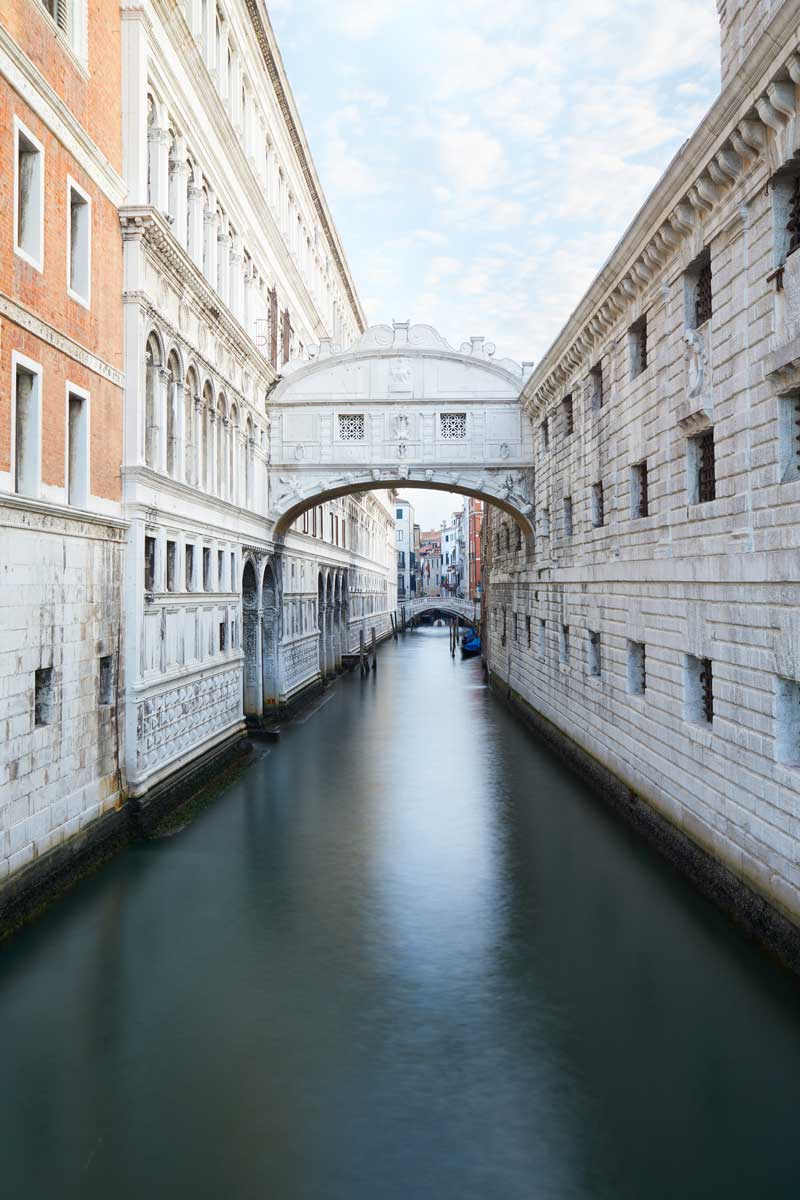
(404, 955)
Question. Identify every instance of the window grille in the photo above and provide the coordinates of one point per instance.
(707, 689)
(568, 516)
(569, 416)
(149, 564)
(545, 434)
(42, 696)
(503, 638)
(528, 630)
(702, 295)
(594, 653)
(637, 668)
(106, 680)
(352, 427)
(565, 643)
(793, 224)
(453, 426)
(598, 506)
(706, 477)
(640, 498)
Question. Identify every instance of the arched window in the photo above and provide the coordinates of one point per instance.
(249, 464)
(174, 177)
(221, 447)
(152, 391)
(208, 445)
(190, 434)
(173, 385)
(234, 485)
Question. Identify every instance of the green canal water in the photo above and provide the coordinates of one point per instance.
(403, 955)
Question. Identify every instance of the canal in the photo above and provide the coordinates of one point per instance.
(403, 955)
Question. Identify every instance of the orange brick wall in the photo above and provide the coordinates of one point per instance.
(44, 294)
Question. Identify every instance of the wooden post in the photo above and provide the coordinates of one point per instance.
(362, 657)
(374, 650)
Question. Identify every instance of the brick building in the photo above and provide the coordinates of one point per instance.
(61, 536)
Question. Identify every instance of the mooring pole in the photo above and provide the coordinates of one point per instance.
(374, 650)
(361, 653)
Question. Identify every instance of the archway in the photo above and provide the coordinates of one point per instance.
(270, 637)
(252, 696)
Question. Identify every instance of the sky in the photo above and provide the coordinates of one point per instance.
(481, 158)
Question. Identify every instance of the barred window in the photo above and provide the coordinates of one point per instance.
(638, 344)
(596, 385)
(703, 305)
(352, 427)
(568, 415)
(703, 474)
(453, 426)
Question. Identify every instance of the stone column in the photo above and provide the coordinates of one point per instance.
(330, 652)
(180, 179)
(210, 226)
(210, 34)
(135, 144)
(211, 452)
(236, 286)
(174, 427)
(223, 263)
(198, 441)
(221, 65)
(194, 220)
(162, 400)
(235, 98)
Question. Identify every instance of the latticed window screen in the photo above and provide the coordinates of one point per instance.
(641, 497)
(702, 295)
(706, 475)
(707, 689)
(793, 224)
(351, 427)
(569, 416)
(453, 426)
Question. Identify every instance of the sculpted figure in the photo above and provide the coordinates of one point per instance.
(696, 362)
(399, 377)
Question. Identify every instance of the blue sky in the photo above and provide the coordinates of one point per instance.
(482, 157)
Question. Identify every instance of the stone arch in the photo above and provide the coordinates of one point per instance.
(270, 636)
(252, 692)
(153, 362)
(174, 383)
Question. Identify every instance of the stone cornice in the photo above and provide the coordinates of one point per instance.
(60, 519)
(736, 139)
(29, 83)
(266, 40)
(60, 341)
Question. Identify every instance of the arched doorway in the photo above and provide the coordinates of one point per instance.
(252, 698)
(270, 637)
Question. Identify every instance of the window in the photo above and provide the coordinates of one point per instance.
(149, 564)
(637, 668)
(789, 436)
(222, 635)
(27, 378)
(398, 514)
(540, 636)
(568, 416)
(563, 644)
(787, 742)
(43, 696)
(698, 690)
(516, 628)
(351, 427)
(568, 516)
(596, 384)
(638, 346)
(598, 506)
(546, 434)
(305, 521)
(233, 571)
(79, 237)
(220, 570)
(189, 568)
(702, 473)
(594, 652)
(699, 302)
(504, 636)
(29, 197)
(106, 680)
(528, 630)
(786, 216)
(453, 426)
(639, 497)
(544, 522)
(206, 569)
(171, 553)
(77, 449)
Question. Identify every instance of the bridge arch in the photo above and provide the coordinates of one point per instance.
(401, 408)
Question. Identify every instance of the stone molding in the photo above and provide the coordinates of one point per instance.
(41, 516)
(59, 341)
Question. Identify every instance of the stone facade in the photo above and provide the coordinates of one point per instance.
(655, 622)
(61, 532)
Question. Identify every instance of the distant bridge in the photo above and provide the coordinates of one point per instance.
(466, 610)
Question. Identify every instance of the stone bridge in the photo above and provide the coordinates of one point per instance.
(401, 408)
(465, 610)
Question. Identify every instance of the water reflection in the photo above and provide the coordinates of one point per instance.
(405, 955)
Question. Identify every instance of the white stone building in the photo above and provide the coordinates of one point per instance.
(656, 623)
(404, 545)
(233, 269)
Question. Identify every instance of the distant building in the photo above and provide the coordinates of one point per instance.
(430, 563)
(404, 539)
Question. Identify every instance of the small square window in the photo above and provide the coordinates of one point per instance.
(79, 233)
(189, 568)
(352, 427)
(568, 416)
(453, 426)
(639, 496)
(637, 668)
(149, 564)
(171, 566)
(787, 741)
(563, 644)
(540, 636)
(43, 696)
(594, 652)
(568, 526)
(223, 628)
(106, 680)
(637, 337)
(598, 506)
(220, 570)
(789, 436)
(596, 386)
(206, 569)
(698, 690)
